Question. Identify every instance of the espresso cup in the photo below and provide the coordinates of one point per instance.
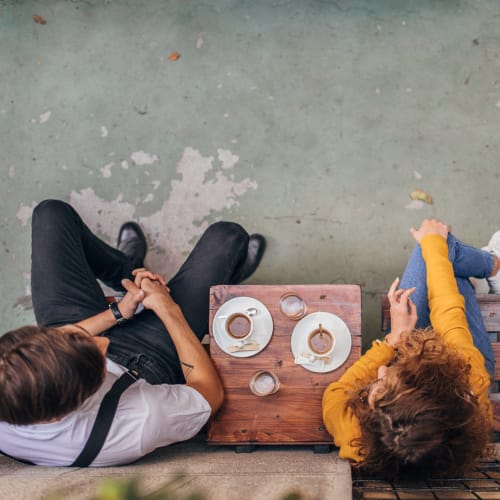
(320, 342)
(264, 383)
(239, 325)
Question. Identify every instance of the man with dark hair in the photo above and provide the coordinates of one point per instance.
(97, 383)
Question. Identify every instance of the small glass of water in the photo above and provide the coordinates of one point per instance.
(264, 383)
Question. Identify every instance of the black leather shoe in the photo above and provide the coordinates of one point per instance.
(256, 249)
(132, 242)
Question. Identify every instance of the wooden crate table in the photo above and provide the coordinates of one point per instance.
(293, 414)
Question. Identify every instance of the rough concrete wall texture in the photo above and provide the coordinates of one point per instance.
(310, 122)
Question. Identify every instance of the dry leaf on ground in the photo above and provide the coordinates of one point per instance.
(38, 19)
(419, 194)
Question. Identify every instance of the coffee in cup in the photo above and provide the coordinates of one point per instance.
(320, 341)
(239, 326)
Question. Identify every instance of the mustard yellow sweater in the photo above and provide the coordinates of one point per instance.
(447, 318)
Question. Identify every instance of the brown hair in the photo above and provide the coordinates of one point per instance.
(45, 374)
(421, 419)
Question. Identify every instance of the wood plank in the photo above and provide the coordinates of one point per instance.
(293, 414)
(496, 416)
(496, 353)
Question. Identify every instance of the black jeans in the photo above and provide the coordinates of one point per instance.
(67, 260)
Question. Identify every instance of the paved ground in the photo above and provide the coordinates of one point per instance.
(217, 472)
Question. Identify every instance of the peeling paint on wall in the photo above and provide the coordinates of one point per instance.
(24, 213)
(106, 170)
(143, 158)
(199, 40)
(44, 117)
(27, 280)
(415, 205)
(227, 158)
(173, 229)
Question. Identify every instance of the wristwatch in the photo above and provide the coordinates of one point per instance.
(116, 312)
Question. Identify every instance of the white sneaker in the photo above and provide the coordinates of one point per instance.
(494, 248)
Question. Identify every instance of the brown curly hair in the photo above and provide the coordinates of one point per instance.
(421, 419)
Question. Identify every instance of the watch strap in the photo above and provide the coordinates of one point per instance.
(113, 306)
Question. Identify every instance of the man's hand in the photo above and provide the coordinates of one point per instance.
(403, 313)
(134, 296)
(156, 295)
(430, 226)
(142, 273)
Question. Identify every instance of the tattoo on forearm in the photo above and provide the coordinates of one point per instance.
(187, 368)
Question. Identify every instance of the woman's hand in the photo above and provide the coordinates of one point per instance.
(430, 226)
(134, 296)
(403, 313)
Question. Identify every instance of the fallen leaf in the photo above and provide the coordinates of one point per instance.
(174, 56)
(38, 19)
(418, 194)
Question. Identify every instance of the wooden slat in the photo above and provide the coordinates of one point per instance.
(496, 416)
(386, 314)
(496, 353)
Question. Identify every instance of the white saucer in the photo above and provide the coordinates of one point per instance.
(262, 326)
(333, 324)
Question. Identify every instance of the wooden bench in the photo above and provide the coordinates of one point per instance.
(489, 305)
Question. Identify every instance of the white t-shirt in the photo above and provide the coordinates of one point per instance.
(148, 416)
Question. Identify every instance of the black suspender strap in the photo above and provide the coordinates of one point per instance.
(104, 419)
(102, 423)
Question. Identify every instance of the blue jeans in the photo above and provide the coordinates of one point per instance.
(467, 261)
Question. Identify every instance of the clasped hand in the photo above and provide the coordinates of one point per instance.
(145, 285)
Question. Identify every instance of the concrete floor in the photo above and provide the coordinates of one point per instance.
(269, 473)
(310, 122)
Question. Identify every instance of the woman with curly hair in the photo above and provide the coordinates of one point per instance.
(416, 403)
